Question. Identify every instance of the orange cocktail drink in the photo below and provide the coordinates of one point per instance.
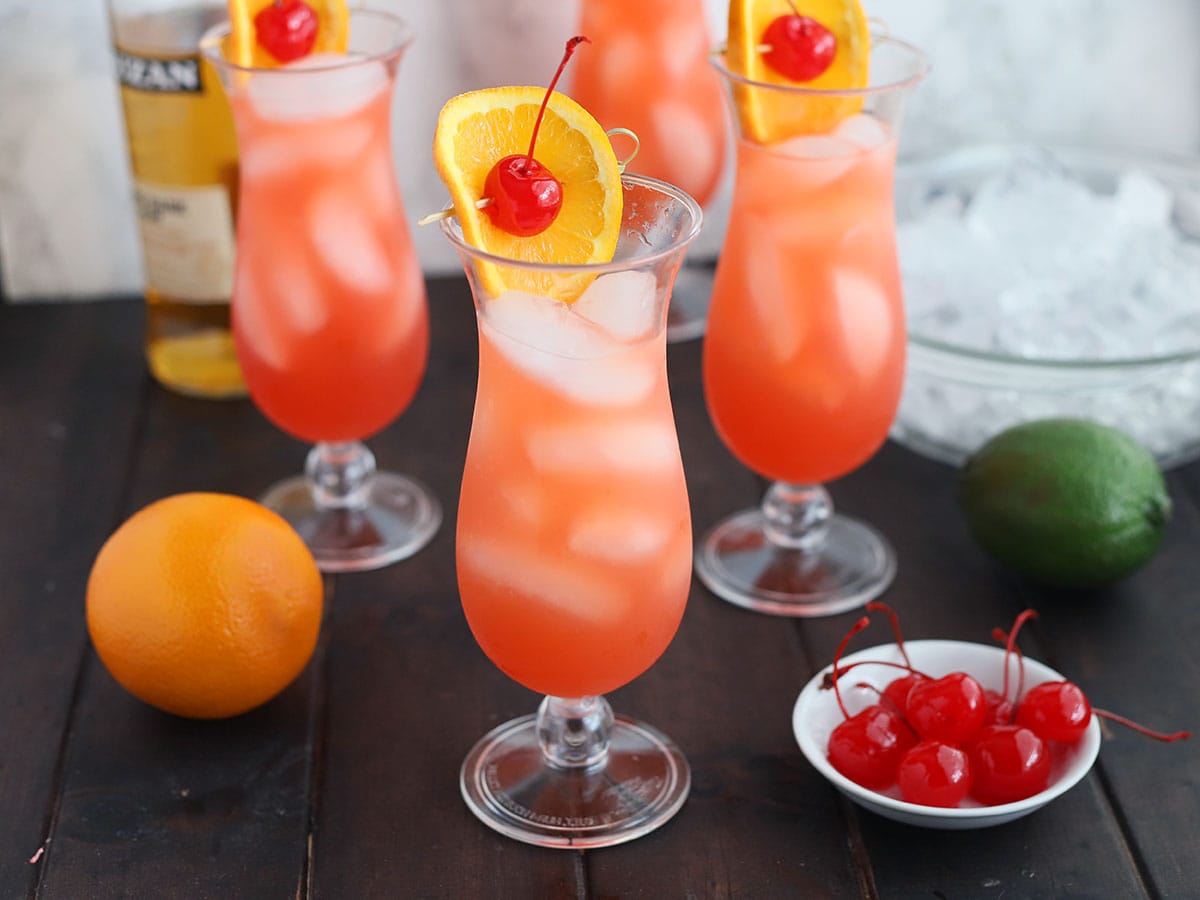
(329, 313)
(804, 354)
(574, 541)
(647, 71)
(574, 538)
(804, 364)
(329, 310)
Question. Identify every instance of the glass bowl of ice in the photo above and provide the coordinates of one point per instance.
(1048, 281)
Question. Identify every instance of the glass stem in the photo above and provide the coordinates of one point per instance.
(797, 515)
(574, 732)
(340, 474)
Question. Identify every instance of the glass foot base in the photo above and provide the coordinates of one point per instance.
(687, 313)
(508, 785)
(738, 563)
(399, 518)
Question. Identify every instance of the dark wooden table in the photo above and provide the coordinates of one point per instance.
(346, 784)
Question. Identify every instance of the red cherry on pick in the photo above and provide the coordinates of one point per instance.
(801, 48)
(525, 195)
(287, 29)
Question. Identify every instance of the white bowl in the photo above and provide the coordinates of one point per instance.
(816, 714)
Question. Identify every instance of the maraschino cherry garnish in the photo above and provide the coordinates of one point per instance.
(934, 774)
(1008, 763)
(801, 48)
(868, 746)
(287, 29)
(525, 196)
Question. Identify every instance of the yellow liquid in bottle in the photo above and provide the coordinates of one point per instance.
(183, 154)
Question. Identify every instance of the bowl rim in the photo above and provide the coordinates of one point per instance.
(1181, 166)
(1089, 746)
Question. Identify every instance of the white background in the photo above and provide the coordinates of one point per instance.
(1106, 73)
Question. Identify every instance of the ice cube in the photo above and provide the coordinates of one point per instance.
(863, 130)
(620, 62)
(769, 293)
(525, 501)
(1187, 211)
(552, 343)
(826, 157)
(345, 242)
(317, 87)
(277, 155)
(681, 133)
(622, 303)
(636, 446)
(618, 533)
(563, 585)
(868, 320)
(298, 304)
(254, 323)
(1142, 200)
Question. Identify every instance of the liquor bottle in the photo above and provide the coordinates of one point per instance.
(183, 155)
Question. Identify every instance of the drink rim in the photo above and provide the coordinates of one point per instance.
(212, 40)
(916, 76)
(633, 262)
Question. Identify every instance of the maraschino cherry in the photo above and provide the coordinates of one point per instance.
(1008, 763)
(287, 29)
(525, 196)
(801, 48)
(868, 746)
(934, 774)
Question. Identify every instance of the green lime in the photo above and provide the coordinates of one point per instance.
(1065, 502)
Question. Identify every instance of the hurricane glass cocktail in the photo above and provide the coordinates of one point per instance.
(647, 70)
(574, 539)
(804, 354)
(329, 312)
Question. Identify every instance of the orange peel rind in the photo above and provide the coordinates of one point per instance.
(767, 115)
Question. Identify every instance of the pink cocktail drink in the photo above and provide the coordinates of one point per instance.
(329, 308)
(574, 533)
(574, 538)
(805, 358)
(647, 70)
(329, 312)
(804, 354)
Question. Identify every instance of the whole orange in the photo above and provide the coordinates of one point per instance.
(204, 605)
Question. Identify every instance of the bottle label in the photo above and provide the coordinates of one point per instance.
(174, 76)
(187, 241)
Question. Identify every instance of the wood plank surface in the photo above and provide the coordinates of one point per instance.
(347, 784)
(71, 383)
(155, 805)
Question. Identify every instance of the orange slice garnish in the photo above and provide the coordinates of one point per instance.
(243, 48)
(477, 129)
(767, 116)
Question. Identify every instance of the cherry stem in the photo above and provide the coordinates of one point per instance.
(999, 634)
(879, 606)
(792, 6)
(887, 702)
(854, 629)
(1142, 729)
(828, 681)
(571, 45)
(1021, 619)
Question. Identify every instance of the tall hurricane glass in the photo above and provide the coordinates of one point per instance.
(804, 354)
(329, 312)
(647, 70)
(574, 537)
